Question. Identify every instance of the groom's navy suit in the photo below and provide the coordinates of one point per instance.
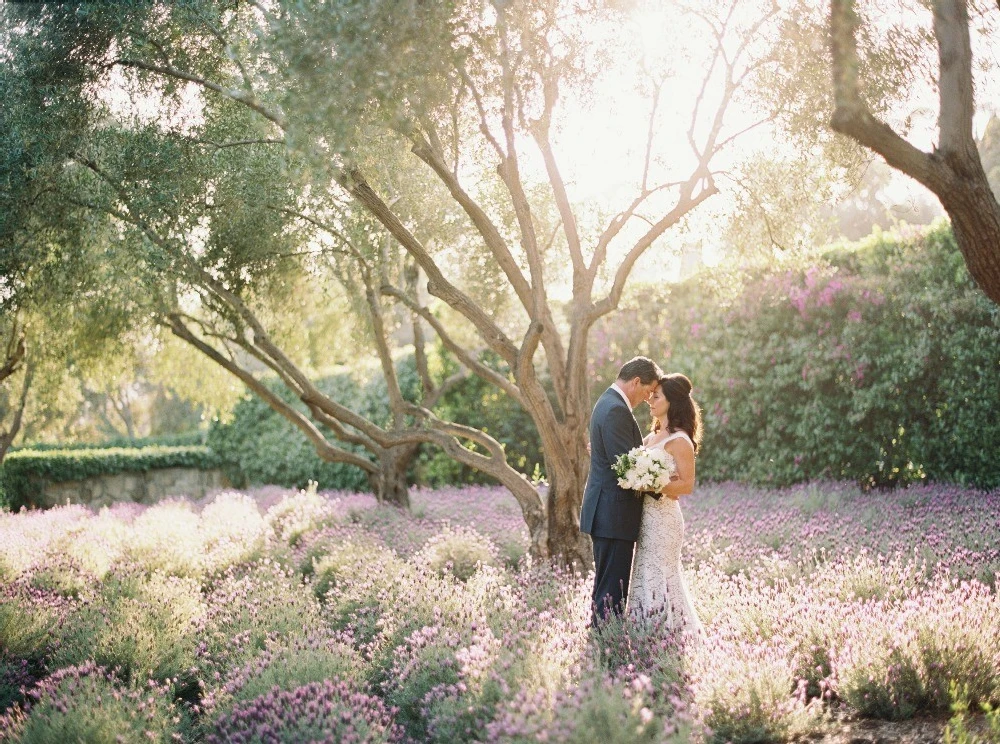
(610, 513)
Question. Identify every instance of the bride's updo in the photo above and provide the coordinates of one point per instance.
(684, 413)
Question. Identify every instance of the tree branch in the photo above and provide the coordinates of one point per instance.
(464, 355)
(955, 85)
(686, 202)
(851, 116)
(437, 284)
(483, 224)
(323, 447)
(246, 98)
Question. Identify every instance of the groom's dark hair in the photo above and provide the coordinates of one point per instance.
(642, 367)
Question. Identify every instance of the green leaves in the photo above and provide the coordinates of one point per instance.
(20, 468)
(880, 363)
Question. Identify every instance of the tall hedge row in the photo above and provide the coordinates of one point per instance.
(879, 363)
(260, 446)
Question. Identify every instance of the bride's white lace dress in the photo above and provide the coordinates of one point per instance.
(657, 589)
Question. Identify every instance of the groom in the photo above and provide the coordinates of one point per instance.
(610, 513)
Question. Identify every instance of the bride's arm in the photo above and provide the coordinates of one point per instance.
(683, 482)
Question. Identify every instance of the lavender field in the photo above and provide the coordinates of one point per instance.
(278, 616)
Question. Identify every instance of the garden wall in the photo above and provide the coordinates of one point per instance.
(45, 477)
(143, 487)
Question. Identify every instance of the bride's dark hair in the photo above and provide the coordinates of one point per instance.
(684, 413)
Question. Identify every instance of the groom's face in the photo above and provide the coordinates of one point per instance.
(638, 391)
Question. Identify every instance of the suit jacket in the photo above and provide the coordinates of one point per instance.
(608, 509)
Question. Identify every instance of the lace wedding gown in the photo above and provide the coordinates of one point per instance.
(657, 590)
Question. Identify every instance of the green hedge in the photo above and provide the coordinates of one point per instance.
(190, 439)
(261, 447)
(20, 468)
(879, 363)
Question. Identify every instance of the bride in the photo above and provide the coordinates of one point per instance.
(657, 589)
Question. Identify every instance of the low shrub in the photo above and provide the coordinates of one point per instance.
(332, 560)
(425, 661)
(29, 618)
(142, 626)
(89, 703)
(300, 513)
(458, 551)
(165, 537)
(285, 665)
(318, 711)
(598, 709)
(895, 660)
(26, 538)
(960, 730)
(232, 532)
(749, 691)
(249, 607)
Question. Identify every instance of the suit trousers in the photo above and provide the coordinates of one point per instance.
(612, 570)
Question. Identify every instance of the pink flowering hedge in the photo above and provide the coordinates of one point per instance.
(877, 362)
(283, 616)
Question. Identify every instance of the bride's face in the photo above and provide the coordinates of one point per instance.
(658, 403)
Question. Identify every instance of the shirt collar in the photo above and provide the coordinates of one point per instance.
(622, 394)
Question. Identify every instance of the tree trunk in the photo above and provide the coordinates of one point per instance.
(954, 170)
(391, 486)
(975, 219)
(7, 437)
(567, 471)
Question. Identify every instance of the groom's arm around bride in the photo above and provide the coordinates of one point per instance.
(611, 514)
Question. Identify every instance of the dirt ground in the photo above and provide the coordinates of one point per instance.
(847, 730)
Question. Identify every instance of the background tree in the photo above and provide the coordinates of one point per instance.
(953, 170)
(474, 95)
(12, 401)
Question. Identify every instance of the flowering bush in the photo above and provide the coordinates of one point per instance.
(301, 512)
(142, 626)
(459, 551)
(318, 711)
(875, 362)
(596, 710)
(88, 703)
(286, 664)
(248, 608)
(812, 596)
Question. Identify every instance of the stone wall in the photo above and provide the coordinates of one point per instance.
(142, 487)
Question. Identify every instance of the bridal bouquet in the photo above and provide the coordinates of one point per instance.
(642, 469)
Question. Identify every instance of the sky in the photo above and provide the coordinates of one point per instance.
(608, 136)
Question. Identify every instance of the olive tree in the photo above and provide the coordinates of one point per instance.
(431, 131)
(952, 170)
